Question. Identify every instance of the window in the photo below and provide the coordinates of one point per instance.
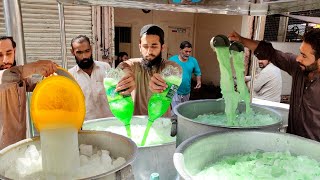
(122, 35)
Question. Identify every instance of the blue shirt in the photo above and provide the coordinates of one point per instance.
(188, 67)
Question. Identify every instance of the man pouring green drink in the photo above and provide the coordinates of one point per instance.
(149, 80)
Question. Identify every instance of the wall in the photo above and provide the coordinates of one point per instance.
(203, 28)
(136, 19)
(208, 26)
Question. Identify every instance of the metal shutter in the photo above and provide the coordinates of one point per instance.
(42, 32)
(2, 25)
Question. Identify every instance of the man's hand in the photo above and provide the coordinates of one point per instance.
(157, 84)
(126, 85)
(234, 36)
(249, 43)
(42, 67)
(198, 86)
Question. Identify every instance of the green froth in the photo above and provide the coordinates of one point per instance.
(242, 120)
(262, 165)
(238, 65)
(230, 96)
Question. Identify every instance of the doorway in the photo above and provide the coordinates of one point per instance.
(175, 36)
(122, 40)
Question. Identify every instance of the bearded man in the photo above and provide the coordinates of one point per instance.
(14, 82)
(90, 74)
(146, 70)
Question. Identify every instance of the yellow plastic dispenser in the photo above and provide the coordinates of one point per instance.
(58, 102)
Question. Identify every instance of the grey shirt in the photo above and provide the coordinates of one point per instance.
(304, 112)
(268, 84)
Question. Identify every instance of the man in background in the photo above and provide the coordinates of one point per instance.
(267, 85)
(90, 74)
(189, 66)
(122, 56)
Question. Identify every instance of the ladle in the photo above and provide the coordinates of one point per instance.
(236, 46)
(219, 41)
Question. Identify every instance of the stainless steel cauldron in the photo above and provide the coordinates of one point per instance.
(153, 158)
(194, 154)
(119, 146)
(189, 110)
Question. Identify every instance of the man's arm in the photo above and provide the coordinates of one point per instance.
(264, 50)
(260, 81)
(18, 73)
(198, 82)
(249, 43)
(197, 73)
(127, 84)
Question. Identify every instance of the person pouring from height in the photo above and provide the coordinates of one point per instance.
(304, 112)
(14, 82)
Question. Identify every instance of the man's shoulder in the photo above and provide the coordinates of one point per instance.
(135, 60)
(73, 69)
(193, 59)
(174, 57)
(172, 63)
(101, 66)
(101, 63)
(272, 67)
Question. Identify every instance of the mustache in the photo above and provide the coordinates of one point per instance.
(2, 67)
(302, 65)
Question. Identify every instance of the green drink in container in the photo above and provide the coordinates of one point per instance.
(160, 102)
(121, 106)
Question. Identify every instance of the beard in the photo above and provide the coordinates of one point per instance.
(312, 67)
(85, 63)
(149, 64)
(8, 65)
(185, 57)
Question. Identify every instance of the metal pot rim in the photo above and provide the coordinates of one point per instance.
(139, 116)
(228, 127)
(127, 163)
(178, 157)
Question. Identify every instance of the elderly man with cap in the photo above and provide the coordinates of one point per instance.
(146, 70)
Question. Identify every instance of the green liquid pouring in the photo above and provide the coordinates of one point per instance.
(238, 65)
(160, 102)
(227, 85)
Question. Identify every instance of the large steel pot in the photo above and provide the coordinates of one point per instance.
(281, 108)
(119, 146)
(189, 110)
(197, 152)
(150, 159)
